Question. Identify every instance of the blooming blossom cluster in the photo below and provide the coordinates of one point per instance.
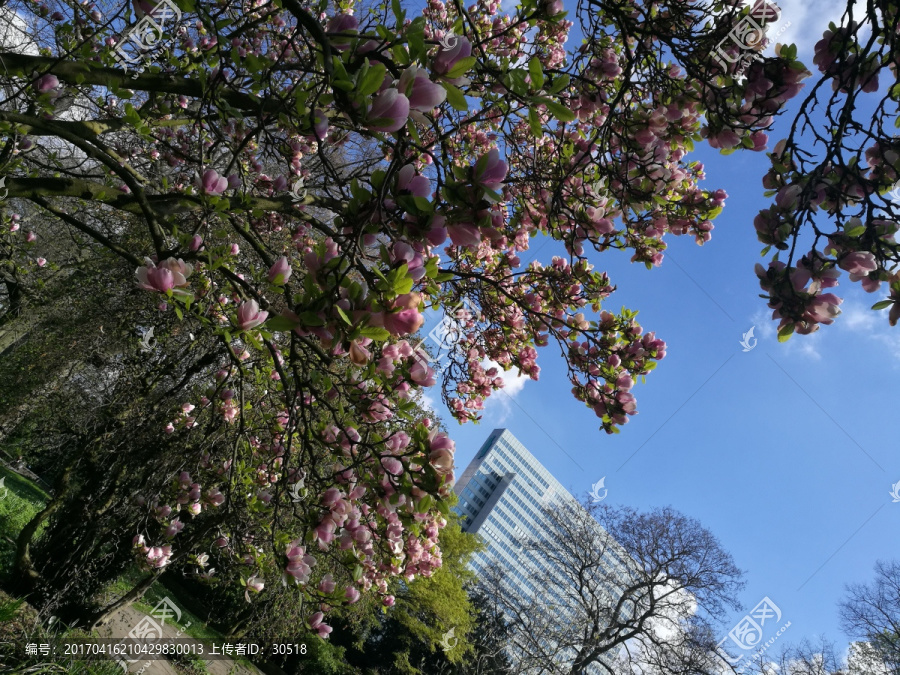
(318, 195)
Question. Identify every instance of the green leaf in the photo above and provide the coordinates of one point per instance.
(534, 121)
(461, 67)
(415, 37)
(376, 333)
(403, 285)
(131, 116)
(281, 323)
(558, 110)
(371, 80)
(856, 231)
(883, 304)
(455, 97)
(536, 71)
(559, 83)
(784, 334)
(311, 319)
(517, 83)
(343, 315)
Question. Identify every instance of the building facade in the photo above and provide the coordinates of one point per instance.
(502, 495)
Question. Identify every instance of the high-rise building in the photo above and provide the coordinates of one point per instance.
(502, 496)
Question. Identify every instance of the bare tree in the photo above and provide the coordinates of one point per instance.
(820, 658)
(871, 612)
(616, 590)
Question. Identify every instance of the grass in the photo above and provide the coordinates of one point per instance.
(20, 500)
(19, 625)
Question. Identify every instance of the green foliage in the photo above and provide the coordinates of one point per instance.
(20, 500)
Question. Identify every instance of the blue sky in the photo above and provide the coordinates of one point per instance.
(784, 452)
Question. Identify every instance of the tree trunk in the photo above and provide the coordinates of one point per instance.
(136, 593)
(23, 565)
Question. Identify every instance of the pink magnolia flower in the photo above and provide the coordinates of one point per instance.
(859, 262)
(409, 182)
(320, 124)
(327, 585)
(249, 315)
(174, 528)
(389, 111)
(212, 183)
(403, 322)
(170, 273)
(48, 83)
(280, 272)
(41, 262)
(424, 95)
(447, 58)
(315, 622)
(441, 455)
(464, 235)
(342, 23)
(255, 584)
(31, 236)
(359, 355)
(392, 465)
(142, 7)
(421, 374)
(352, 594)
(215, 497)
(490, 171)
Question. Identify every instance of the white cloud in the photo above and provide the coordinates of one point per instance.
(513, 382)
(873, 325)
(808, 20)
(806, 346)
(428, 402)
(499, 405)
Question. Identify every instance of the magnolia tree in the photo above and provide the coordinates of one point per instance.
(835, 176)
(308, 179)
